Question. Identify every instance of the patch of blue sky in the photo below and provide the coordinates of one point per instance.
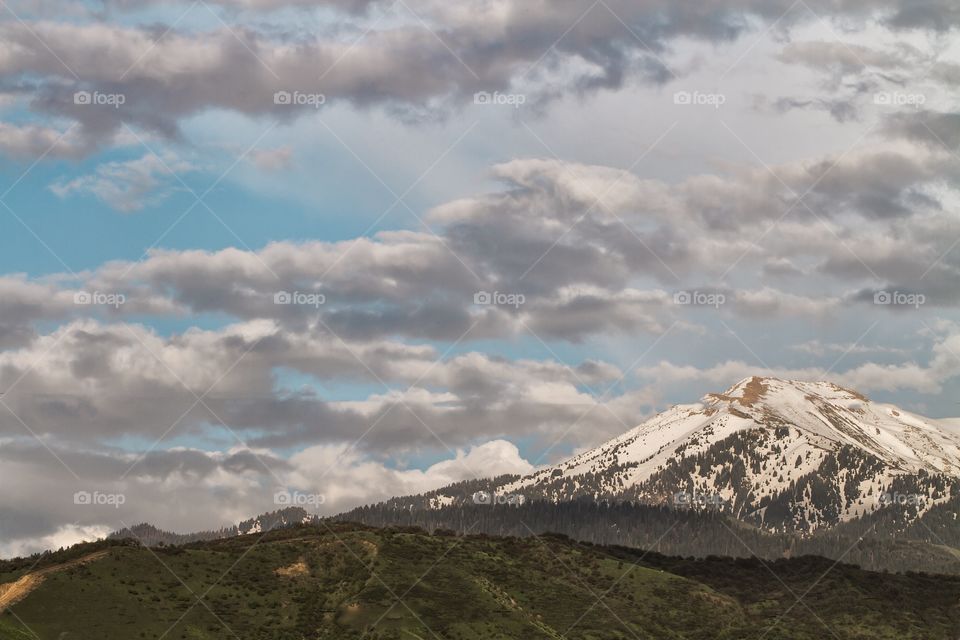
(211, 437)
(288, 380)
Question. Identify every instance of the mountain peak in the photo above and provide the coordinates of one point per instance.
(757, 389)
(793, 453)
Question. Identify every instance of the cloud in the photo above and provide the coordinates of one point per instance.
(864, 78)
(414, 63)
(842, 110)
(213, 489)
(934, 15)
(348, 479)
(937, 129)
(89, 382)
(34, 141)
(27, 302)
(64, 536)
(846, 58)
(820, 349)
(943, 367)
(130, 185)
(352, 6)
(580, 250)
(272, 159)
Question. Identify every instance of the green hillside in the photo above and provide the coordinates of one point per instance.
(353, 582)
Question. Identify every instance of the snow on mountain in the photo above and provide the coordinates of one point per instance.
(782, 454)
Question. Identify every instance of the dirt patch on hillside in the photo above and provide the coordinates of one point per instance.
(13, 592)
(752, 392)
(295, 570)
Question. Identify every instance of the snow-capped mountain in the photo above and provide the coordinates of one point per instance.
(784, 455)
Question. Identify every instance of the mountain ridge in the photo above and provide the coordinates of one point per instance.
(783, 455)
(349, 582)
(785, 466)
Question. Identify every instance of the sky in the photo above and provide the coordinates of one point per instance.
(341, 250)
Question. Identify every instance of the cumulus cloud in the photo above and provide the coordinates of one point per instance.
(90, 382)
(426, 58)
(574, 251)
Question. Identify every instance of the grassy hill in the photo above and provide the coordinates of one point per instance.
(353, 581)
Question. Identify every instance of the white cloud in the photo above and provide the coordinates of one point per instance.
(272, 159)
(212, 489)
(64, 536)
(130, 185)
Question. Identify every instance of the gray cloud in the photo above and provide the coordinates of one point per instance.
(936, 129)
(933, 15)
(91, 382)
(844, 58)
(544, 50)
(591, 250)
(213, 489)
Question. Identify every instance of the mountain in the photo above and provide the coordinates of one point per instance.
(769, 467)
(151, 536)
(349, 582)
(782, 455)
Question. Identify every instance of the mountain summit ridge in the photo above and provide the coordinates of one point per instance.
(907, 440)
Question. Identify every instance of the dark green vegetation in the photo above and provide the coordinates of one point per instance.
(350, 581)
(897, 538)
(883, 541)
